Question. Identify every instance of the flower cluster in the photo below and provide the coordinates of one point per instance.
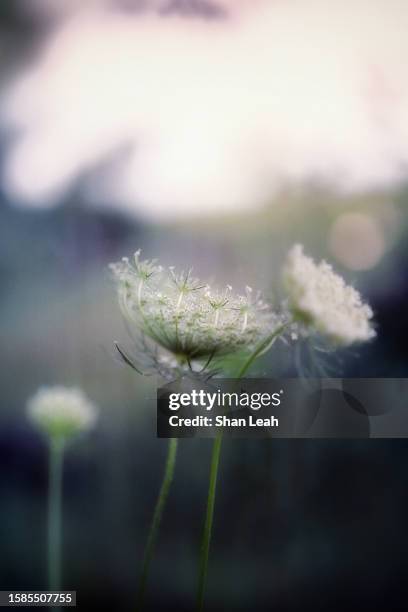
(320, 299)
(61, 412)
(192, 321)
(186, 317)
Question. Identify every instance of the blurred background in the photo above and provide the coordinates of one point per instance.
(211, 134)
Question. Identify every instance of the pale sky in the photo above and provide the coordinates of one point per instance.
(185, 115)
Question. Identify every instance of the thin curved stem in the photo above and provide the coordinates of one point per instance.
(205, 544)
(157, 516)
(215, 460)
(209, 516)
(262, 348)
(55, 514)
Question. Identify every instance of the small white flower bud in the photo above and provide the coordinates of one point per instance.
(61, 412)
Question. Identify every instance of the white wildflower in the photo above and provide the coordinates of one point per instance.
(61, 411)
(188, 318)
(320, 298)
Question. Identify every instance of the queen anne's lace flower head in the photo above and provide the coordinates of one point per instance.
(186, 317)
(320, 298)
(61, 412)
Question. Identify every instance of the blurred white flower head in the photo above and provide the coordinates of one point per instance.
(321, 299)
(187, 317)
(61, 412)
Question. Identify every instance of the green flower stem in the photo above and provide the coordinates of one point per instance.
(262, 348)
(56, 457)
(215, 460)
(157, 516)
(205, 543)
